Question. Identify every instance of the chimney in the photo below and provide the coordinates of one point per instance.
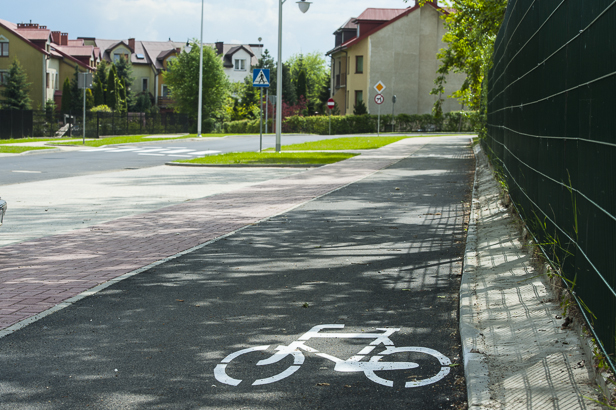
(178, 50)
(55, 37)
(131, 43)
(64, 39)
(219, 47)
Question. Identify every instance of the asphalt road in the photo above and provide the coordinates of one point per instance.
(51, 165)
(385, 252)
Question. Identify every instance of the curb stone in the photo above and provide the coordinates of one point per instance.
(475, 366)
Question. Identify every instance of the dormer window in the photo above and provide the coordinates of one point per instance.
(4, 46)
(240, 65)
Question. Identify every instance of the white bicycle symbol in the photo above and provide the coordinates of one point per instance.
(353, 364)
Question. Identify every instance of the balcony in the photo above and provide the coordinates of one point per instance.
(164, 102)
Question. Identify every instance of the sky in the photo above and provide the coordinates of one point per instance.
(231, 21)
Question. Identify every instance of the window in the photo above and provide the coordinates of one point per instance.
(359, 96)
(117, 56)
(240, 65)
(56, 81)
(4, 49)
(4, 77)
(359, 64)
(48, 80)
(166, 92)
(144, 84)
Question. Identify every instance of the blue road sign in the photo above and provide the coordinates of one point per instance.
(261, 77)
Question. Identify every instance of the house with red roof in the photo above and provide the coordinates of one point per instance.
(398, 48)
(47, 57)
(150, 59)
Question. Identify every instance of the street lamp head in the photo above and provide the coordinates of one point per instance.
(304, 5)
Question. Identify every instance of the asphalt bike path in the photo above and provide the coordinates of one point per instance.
(349, 301)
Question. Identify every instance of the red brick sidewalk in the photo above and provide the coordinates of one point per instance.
(37, 275)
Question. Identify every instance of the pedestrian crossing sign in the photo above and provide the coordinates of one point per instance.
(261, 77)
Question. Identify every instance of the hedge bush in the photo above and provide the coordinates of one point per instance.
(463, 121)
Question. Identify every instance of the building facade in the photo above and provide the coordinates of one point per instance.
(397, 47)
(46, 56)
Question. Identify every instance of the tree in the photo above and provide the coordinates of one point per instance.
(289, 95)
(99, 93)
(182, 78)
(122, 100)
(101, 73)
(143, 103)
(360, 108)
(302, 87)
(16, 93)
(111, 95)
(317, 75)
(89, 100)
(124, 72)
(472, 28)
(66, 96)
(76, 92)
(50, 110)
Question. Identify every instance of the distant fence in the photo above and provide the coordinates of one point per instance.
(551, 110)
(15, 123)
(38, 123)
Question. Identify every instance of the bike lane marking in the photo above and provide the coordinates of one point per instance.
(351, 365)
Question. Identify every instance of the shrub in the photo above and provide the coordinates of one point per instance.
(101, 108)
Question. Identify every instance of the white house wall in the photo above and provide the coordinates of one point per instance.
(239, 75)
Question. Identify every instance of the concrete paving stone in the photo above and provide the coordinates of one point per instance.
(516, 354)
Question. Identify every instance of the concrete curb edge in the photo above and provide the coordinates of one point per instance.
(475, 366)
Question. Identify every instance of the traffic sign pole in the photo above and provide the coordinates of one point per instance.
(330, 105)
(260, 119)
(378, 132)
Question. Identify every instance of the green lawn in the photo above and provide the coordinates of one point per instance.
(21, 140)
(129, 139)
(346, 143)
(17, 150)
(256, 158)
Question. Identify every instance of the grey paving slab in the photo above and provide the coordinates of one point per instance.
(517, 356)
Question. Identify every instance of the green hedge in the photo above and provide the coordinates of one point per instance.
(464, 121)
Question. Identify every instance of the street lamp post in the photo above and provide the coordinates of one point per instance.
(200, 108)
(303, 6)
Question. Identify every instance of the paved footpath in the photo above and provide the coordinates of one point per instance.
(516, 354)
(41, 274)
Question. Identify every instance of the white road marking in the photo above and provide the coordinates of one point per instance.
(28, 172)
(152, 150)
(183, 156)
(154, 155)
(205, 152)
(353, 364)
(177, 151)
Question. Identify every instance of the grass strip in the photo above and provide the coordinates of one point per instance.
(345, 143)
(18, 150)
(23, 140)
(256, 158)
(131, 139)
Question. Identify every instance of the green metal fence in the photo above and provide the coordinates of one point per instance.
(551, 111)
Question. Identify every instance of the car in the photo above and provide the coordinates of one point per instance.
(2, 210)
